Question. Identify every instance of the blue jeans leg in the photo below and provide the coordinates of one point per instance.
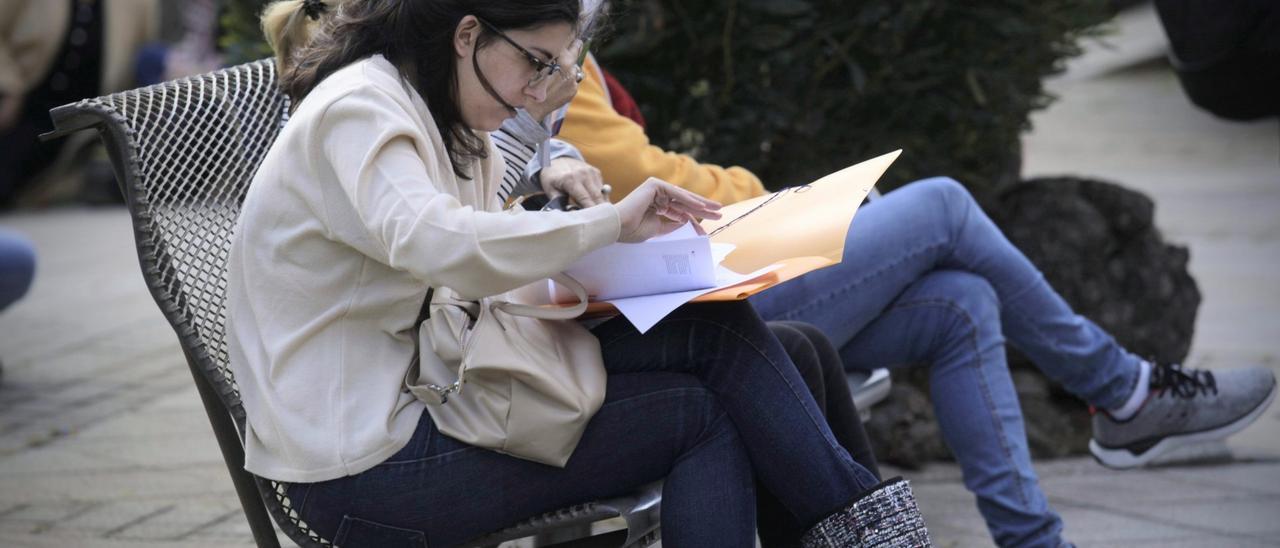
(934, 224)
(950, 320)
(707, 399)
(819, 365)
(733, 353)
(651, 426)
(17, 267)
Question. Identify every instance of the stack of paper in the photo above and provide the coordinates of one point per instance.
(760, 243)
(646, 281)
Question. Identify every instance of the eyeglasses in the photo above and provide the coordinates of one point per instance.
(541, 69)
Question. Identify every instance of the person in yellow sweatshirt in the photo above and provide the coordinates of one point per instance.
(927, 278)
(622, 152)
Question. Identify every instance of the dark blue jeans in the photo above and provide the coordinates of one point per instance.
(707, 399)
(819, 364)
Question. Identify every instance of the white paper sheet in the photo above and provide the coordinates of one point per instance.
(645, 311)
(792, 231)
(681, 261)
(646, 281)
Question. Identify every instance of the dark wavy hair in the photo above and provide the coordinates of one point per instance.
(414, 35)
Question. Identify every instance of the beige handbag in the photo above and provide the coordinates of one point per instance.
(528, 378)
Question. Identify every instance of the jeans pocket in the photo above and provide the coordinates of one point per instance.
(362, 533)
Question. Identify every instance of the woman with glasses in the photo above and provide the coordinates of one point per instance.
(381, 186)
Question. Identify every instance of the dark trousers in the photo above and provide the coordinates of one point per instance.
(707, 399)
(819, 364)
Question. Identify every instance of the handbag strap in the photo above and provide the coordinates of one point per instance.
(430, 393)
(425, 312)
(550, 313)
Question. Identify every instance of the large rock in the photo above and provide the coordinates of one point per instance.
(1098, 247)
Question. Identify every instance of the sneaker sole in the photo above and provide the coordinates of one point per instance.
(1122, 458)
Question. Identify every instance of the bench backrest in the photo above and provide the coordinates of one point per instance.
(185, 152)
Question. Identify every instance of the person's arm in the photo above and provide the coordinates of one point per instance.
(622, 152)
(518, 140)
(372, 149)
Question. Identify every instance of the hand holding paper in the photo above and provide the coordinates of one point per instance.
(646, 281)
(768, 240)
(658, 207)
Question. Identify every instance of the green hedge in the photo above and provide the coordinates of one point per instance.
(241, 33)
(793, 89)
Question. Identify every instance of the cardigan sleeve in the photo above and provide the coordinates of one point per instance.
(618, 147)
(380, 159)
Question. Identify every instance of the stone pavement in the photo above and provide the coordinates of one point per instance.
(103, 441)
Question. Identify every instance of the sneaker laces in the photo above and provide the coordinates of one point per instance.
(1171, 378)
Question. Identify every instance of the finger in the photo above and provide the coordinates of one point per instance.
(580, 193)
(694, 210)
(666, 225)
(571, 54)
(696, 198)
(674, 215)
(700, 211)
(594, 184)
(674, 221)
(680, 195)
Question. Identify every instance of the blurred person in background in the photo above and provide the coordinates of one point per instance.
(195, 51)
(17, 269)
(54, 52)
(1226, 54)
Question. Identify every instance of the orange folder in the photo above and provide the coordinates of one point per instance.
(801, 229)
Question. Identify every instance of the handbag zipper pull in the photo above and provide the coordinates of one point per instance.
(444, 391)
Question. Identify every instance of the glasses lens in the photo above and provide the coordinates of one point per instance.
(541, 73)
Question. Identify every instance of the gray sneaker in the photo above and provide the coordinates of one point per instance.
(1185, 407)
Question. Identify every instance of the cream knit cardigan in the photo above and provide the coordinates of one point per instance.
(354, 212)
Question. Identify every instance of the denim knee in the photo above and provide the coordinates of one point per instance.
(945, 187)
(954, 197)
(17, 268)
(710, 418)
(971, 301)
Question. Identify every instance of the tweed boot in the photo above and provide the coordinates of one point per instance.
(884, 516)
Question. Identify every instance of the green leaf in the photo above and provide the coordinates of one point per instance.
(780, 8)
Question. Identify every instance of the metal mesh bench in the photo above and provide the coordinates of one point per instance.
(184, 153)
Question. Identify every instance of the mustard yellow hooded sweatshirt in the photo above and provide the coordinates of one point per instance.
(618, 147)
